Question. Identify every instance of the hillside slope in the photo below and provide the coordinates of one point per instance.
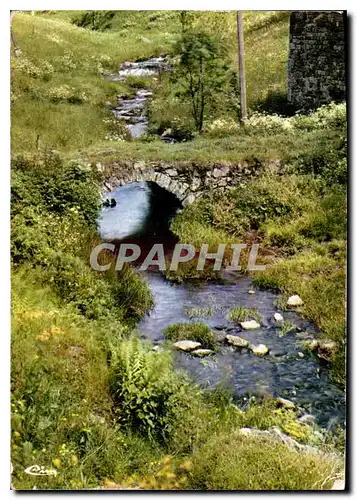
(58, 93)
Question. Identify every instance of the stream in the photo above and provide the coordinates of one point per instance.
(142, 213)
(133, 109)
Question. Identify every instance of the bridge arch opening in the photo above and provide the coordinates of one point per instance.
(138, 209)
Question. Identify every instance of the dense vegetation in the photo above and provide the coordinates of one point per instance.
(89, 398)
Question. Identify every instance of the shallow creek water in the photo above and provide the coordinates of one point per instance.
(287, 371)
(133, 109)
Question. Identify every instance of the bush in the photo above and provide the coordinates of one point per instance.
(199, 332)
(95, 20)
(53, 185)
(326, 163)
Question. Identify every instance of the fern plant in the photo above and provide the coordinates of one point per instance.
(146, 391)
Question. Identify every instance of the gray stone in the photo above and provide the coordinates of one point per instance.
(172, 172)
(259, 350)
(195, 184)
(250, 325)
(307, 419)
(236, 341)
(163, 180)
(188, 200)
(327, 350)
(277, 353)
(294, 301)
(278, 317)
(187, 345)
(286, 403)
(220, 172)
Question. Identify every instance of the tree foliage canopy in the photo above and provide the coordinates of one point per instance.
(202, 72)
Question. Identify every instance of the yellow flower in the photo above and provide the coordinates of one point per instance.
(44, 336)
(56, 462)
(74, 460)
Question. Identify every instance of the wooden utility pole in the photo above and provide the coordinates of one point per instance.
(242, 86)
(17, 50)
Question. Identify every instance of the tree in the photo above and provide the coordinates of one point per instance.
(202, 72)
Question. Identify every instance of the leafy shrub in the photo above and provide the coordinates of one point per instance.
(326, 163)
(147, 393)
(199, 332)
(95, 20)
(53, 185)
(331, 116)
(65, 93)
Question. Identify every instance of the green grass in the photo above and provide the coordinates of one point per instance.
(231, 149)
(57, 53)
(198, 312)
(198, 332)
(248, 462)
(239, 313)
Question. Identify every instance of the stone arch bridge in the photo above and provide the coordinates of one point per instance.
(187, 181)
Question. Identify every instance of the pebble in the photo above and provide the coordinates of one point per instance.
(278, 317)
(251, 292)
(295, 301)
(250, 325)
(286, 403)
(259, 350)
(187, 345)
(307, 419)
(277, 353)
(236, 341)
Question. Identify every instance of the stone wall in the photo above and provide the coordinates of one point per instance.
(316, 64)
(186, 181)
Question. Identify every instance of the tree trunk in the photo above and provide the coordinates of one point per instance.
(243, 94)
